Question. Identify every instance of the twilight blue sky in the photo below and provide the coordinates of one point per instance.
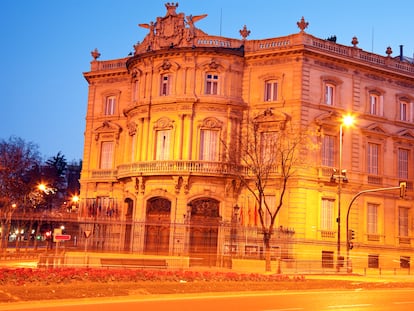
(46, 45)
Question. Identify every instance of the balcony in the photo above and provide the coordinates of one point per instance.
(204, 168)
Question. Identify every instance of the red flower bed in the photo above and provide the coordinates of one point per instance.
(22, 276)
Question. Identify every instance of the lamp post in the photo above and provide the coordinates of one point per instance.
(347, 121)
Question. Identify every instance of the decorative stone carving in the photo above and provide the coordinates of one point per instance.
(174, 29)
(244, 32)
(164, 123)
(132, 128)
(302, 25)
(95, 54)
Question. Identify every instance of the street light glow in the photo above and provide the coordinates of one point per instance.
(348, 120)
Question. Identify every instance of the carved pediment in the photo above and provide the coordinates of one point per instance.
(109, 129)
(271, 120)
(405, 134)
(164, 124)
(330, 118)
(211, 123)
(375, 130)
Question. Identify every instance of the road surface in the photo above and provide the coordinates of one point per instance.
(350, 300)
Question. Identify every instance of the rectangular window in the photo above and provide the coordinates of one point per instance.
(209, 143)
(268, 141)
(403, 221)
(327, 259)
(165, 85)
(270, 91)
(212, 84)
(374, 104)
(372, 157)
(107, 154)
(403, 164)
(373, 261)
(405, 262)
(162, 151)
(271, 203)
(329, 94)
(328, 150)
(110, 105)
(404, 111)
(372, 218)
(327, 214)
(135, 90)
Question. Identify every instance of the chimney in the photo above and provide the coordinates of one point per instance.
(401, 53)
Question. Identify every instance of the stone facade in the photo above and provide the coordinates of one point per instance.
(156, 177)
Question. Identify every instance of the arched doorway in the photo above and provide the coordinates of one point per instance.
(129, 204)
(157, 227)
(205, 219)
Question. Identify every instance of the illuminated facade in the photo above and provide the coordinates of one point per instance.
(154, 177)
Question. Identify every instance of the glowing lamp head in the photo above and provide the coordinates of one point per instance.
(348, 120)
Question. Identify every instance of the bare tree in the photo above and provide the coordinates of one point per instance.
(269, 153)
(19, 169)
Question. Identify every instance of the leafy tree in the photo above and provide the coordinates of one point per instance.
(19, 171)
(269, 153)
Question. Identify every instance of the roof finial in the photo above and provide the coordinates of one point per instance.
(95, 54)
(244, 32)
(302, 25)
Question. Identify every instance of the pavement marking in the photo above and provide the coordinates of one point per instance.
(403, 302)
(288, 309)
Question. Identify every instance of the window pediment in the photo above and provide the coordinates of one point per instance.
(375, 130)
(108, 128)
(213, 66)
(164, 124)
(211, 123)
(405, 134)
(168, 66)
(270, 120)
(331, 79)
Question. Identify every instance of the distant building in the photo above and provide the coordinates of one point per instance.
(155, 178)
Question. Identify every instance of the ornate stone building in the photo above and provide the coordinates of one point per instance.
(155, 177)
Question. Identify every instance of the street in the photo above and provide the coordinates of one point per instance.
(355, 300)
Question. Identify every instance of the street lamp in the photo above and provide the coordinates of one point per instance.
(347, 121)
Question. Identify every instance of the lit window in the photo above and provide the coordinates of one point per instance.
(212, 84)
(162, 151)
(209, 142)
(328, 150)
(107, 153)
(110, 103)
(373, 159)
(403, 221)
(327, 214)
(165, 85)
(270, 91)
(372, 218)
(403, 164)
(329, 94)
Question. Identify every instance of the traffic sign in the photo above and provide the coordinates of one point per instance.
(62, 237)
